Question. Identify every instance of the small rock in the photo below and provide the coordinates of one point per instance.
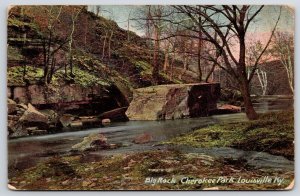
(11, 106)
(85, 183)
(106, 121)
(93, 141)
(115, 146)
(65, 182)
(228, 109)
(143, 138)
(32, 117)
(76, 124)
(66, 119)
(126, 144)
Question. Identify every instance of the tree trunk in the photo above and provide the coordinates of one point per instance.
(199, 49)
(243, 79)
(155, 72)
(104, 44)
(166, 63)
(249, 109)
(210, 72)
(109, 44)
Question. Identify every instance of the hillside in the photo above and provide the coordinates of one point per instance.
(127, 61)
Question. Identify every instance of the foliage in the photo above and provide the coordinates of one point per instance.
(15, 74)
(15, 22)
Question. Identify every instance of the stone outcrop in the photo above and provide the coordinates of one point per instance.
(37, 94)
(70, 97)
(173, 101)
(67, 107)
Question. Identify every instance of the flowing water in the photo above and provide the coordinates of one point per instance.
(28, 151)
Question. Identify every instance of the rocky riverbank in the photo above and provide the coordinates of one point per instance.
(26, 120)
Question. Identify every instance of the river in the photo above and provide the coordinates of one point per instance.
(28, 151)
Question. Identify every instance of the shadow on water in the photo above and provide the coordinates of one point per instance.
(28, 151)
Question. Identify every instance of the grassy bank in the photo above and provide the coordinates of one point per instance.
(272, 133)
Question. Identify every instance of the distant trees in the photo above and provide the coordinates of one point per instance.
(154, 19)
(49, 42)
(283, 49)
(55, 37)
(254, 49)
(231, 24)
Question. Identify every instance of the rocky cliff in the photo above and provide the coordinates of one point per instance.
(106, 67)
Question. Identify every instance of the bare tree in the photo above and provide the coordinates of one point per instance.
(74, 18)
(263, 80)
(233, 25)
(104, 44)
(283, 49)
(152, 18)
(53, 14)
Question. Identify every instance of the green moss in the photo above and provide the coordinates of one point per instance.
(82, 77)
(15, 74)
(144, 67)
(86, 79)
(18, 23)
(273, 133)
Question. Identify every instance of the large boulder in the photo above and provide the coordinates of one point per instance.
(173, 101)
(92, 142)
(32, 117)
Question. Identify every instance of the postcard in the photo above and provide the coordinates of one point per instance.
(150, 97)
